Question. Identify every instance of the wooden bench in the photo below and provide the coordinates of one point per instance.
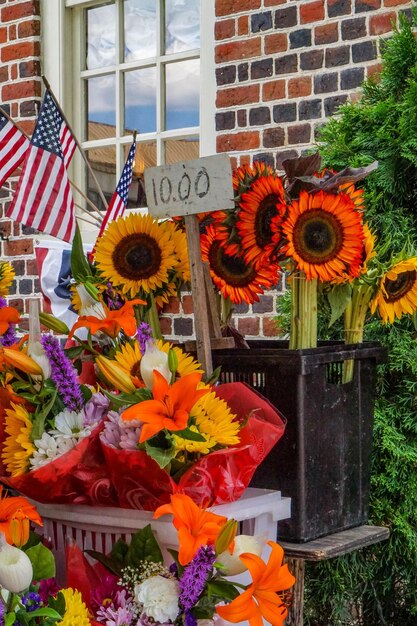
(322, 549)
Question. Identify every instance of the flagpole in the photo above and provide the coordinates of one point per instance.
(80, 217)
(93, 176)
(86, 198)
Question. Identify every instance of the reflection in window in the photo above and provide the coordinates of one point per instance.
(140, 29)
(182, 25)
(145, 157)
(177, 150)
(182, 94)
(140, 103)
(101, 95)
(103, 163)
(101, 36)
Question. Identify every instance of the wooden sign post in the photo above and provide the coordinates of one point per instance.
(185, 189)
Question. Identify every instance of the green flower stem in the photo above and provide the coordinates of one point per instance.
(153, 319)
(226, 310)
(303, 332)
(355, 315)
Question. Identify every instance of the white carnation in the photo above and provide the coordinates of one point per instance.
(159, 597)
(70, 425)
(49, 448)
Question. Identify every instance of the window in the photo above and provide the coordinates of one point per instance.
(134, 65)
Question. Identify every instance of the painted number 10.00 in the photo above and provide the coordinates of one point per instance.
(166, 191)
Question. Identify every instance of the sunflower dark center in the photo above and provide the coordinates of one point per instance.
(232, 269)
(137, 256)
(398, 288)
(318, 236)
(266, 211)
(135, 369)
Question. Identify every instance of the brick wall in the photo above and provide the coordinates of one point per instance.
(282, 67)
(20, 94)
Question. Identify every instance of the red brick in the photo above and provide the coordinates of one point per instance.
(17, 229)
(298, 87)
(3, 35)
(21, 50)
(4, 73)
(243, 25)
(371, 5)
(29, 28)
(239, 141)
(311, 12)
(17, 247)
(187, 305)
(237, 50)
(228, 7)
(328, 33)
(237, 95)
(272, 3)
(5, 228)
(26, 125)
(13, 74)
(233, 163)
(224, 29)
(245, 159)
(273, 90)
(394, 3)
(19, 10)
(278, 42)
(32, 267)
(173, 306)
(270, 327)
(380, 24)
(248, 325)
(374, 71)
(166, 325)
(12, 32)
(21, 89)
(17, 303)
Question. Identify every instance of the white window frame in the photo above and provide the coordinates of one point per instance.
(60, 20)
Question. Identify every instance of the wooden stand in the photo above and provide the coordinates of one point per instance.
(337, 544)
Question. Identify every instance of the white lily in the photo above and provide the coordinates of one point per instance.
(16, 570)
(154, 359)
(35, 349)
(243, 543)
(90, 306)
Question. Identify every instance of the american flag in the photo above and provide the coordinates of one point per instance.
(13, 146)
(43, 199)
(118, 202)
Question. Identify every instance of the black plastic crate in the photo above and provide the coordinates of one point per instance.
(323, 460)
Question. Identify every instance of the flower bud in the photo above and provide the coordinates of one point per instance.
(90, 304)
(231, 561)
(154, 359)
(21, 361)
(172, 362)
(53, 323)
(115, 375)
(226, 536)
(19, 529)
(16, 570)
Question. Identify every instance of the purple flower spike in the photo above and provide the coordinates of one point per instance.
(143, 335)
(195, 575)
(63, 373)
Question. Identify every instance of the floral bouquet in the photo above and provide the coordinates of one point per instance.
(133, 585)
(29, 593)
(145, 427)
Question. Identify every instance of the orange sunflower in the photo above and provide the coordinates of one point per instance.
(397, 293)
(325, 235)
(244, 175)
(264, 202)
(234, 277)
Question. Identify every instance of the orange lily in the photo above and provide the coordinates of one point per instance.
(123, 318)
(170, 407)
(8, 315)
(261, 599)
(15, 516)
(196, 527)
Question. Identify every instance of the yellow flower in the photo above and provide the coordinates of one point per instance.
(179, 238)
(203, 447)
(18, 447)
(76, 612)
(186, 363)
(215, 420)
(6, 277)
(397, 293)
(136, 254)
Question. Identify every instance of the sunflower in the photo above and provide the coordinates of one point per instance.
(263, 202)
(136, 253)
(368, 253)
(215, 420)
(179, 239)
(201, 447)
(233, 276)
(325, 235)
(356, 195)
(18, 447)
(129, 357)
(6, 277)
(76, 611)
(397, 293)
(244, 175)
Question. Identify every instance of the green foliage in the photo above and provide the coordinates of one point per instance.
(377, 586)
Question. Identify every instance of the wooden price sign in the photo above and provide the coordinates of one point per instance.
(184, 189)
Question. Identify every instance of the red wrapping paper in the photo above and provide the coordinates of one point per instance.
(95, 474)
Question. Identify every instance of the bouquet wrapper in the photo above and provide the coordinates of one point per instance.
(77, 477)
(218, 477)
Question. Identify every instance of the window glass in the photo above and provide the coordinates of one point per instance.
(101, 97)
(139, 29)
(140, 100)
(101, 36)
(182, 25)
(182, 94)
(103, 163)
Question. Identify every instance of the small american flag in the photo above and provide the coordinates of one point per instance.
(13, 146)
(118, 202)
(43, 198)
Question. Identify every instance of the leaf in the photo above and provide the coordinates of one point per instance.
(222, 589)
(108, 563)
(144, 547)
(45, 612)
(119, 551)
(162, 456)
(80, 267)
(42, 560)
(10, 619)
(127, 399)
(339, 297)
(57, 603)
(75, 351)
(39, 421)
(187, 433)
